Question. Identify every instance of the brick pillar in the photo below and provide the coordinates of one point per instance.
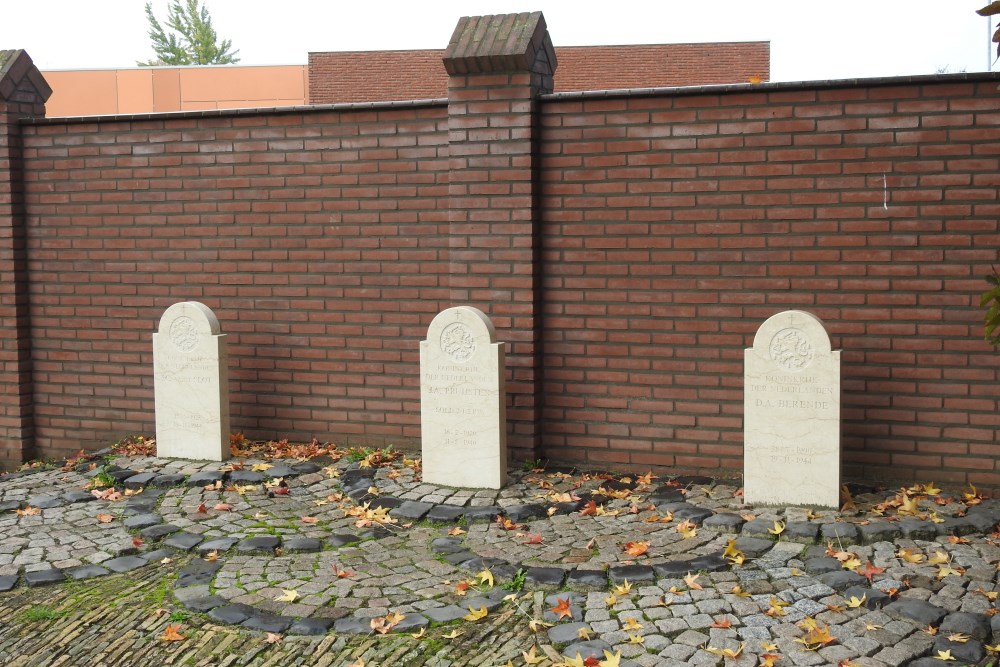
(497, 67)
(23, 92)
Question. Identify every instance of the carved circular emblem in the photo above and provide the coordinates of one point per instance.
(183, 334)
(458, 342)
(791, 349)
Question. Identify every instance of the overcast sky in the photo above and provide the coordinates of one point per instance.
(809, 40)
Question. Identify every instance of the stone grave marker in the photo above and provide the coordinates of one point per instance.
(191, 384)
(463, 421)
(791, 414)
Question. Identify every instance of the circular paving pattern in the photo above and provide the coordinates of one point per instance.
(655, 571)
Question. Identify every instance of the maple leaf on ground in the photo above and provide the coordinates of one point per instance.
(731, 653)
(623, 589)
(816, 638)
(959, 637)
(506, 524)
(341, 574)
(636, 549)
(172, 634)
(611, 659)
(223, 507)
(778, 529)
(562, 610)
(212, 556)
(485, 578)
(462, 587)
(632, 623)
(854, 602)
(287, 595)
(722, 623)
(456, 531)
(476, 614)
(944, 655)
(273, 638)
(955, 539)
(105, 518)
(909, 556)
(531, 657)
(533, 538)
(137, 542)
(692, 581)
(201, 509)
(590, 509)
(537, 625)
(869, 571)
(384, 624)
(687, 529)
(768, 659)
(310, 519)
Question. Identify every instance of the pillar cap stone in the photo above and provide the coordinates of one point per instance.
(499, 43)
(19, 76)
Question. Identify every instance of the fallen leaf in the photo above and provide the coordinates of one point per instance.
(223, 507)
(692, 581)
(172, 634)
(778, 529)
(816, 638)
(632, 623)
(909, 556)
(310, 519)
(636, 549)
(212, 556)
(584, 633)
(273, 638)
(418, 635)
(105, 518)
(384, 624)
(869, 571)
(137, 542)
(930, 630)
(768, 659)
(531, 657)
(537, 625)
(562, 609)
(476, 614)
(721, 623)
(287, 595)
(854, 602)
(485, 578)
(944, 655)
(611, 659)
(958, 637)
(636, 639)
(341, 574)
(623, 589)
(730, 653)
(166, 560)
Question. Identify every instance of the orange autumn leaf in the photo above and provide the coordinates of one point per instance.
(722, 623)
(869, 571)
(105, 518)
(201, 509)
(342, 574)
(310, 519)
(692, 581)
(172, 634)
(562, 610)
(506, 524)
(636, 549)
(137, 542)
(533, 538)
(590, 509)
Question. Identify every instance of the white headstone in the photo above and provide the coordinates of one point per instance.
(191, 384)
(791, 414)
(463, 420)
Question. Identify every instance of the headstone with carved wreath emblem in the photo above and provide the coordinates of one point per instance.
(191, 384)
(463, 424)
(791, 414)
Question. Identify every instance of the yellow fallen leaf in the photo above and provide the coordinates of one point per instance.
(623, 589)
(944, 655)
(871, 626)
(636, 639)
(632, 624)
(730, 653)
(531, 657)
(486, 578)
(418, 635)
(611, 600)
(768, 659)
(909, 556)
(287, 596)
(854, 602)
(958, 637)
(778, 529)
(476, 614)
(611, 659)
(454, 634)
(537, 625)
(692, 581)
(585, 633)
(456, 531)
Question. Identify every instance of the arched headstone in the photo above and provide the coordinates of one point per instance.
(791, 414)
(463, 422)
(191, 384)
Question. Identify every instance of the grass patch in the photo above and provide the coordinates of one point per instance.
(40, 613)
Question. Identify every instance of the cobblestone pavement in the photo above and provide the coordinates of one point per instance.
(339, 563)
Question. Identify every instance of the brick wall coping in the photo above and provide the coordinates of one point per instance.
(771, 86)
(219, 113)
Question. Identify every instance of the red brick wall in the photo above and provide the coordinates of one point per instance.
(364, 76)
(675, 224)
(667, 228)
(317, 238)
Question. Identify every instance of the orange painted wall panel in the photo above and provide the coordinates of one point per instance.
(158, 89)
